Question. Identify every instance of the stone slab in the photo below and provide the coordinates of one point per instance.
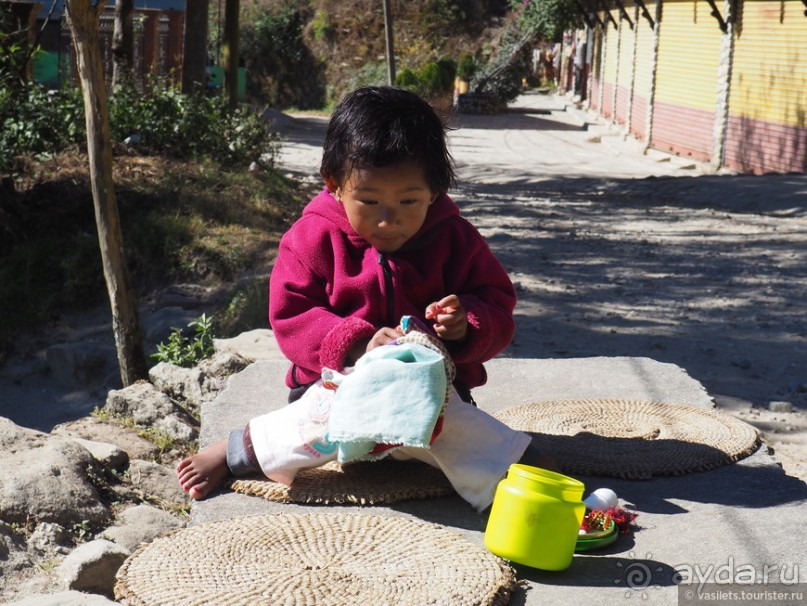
(730, 524)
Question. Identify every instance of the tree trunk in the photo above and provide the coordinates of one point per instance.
(231, 10)
(123, 43)
(83, 19)
(194, 54)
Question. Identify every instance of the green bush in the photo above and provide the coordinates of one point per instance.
(282, 70)
(467, 67)
(501, 77)
(163, 120)
(548, 18)
(168, 121)
(432, 80)
(37, 121)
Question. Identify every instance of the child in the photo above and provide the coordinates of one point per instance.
(383, 241)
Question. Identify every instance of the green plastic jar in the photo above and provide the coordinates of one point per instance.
(535, 519)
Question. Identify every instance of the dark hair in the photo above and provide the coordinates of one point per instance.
(380, 126)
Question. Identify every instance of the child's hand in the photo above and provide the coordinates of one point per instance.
(383, 336)
(451, 320)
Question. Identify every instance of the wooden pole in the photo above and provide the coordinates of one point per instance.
(231, 10)
(390, 47)
(83, 18)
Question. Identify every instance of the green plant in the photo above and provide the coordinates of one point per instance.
(165, 120)
(321, 25)
(283, 71)
(432, 80)
(82, 531)
(184, 351)
(467, 67)
(548, 18)
(37, 121)
(501, 77)
(161, 439)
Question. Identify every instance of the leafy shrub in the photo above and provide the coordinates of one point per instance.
(548, 18)
(167, 121)
(467, 67)
(283, 72)
(434, 79)
(188, 351)
(37, 121)
(321, 26)
(501, 77)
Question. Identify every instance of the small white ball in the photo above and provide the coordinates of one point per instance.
(602, 498)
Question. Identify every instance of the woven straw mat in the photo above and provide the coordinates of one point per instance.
(632, 439)
(318, 559)
(384, 481)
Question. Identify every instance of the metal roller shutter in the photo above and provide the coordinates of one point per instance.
(687, 77)
(610, 64)
(767, 128)
(624, 86)
(643, 78)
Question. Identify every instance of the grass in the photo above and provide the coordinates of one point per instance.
(164, 442)
(181, 221)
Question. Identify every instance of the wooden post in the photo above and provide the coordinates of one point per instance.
(83, 18)
(390, 48)
(231, 10)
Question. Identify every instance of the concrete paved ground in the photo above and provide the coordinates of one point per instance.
(731, 524)
(743, 517)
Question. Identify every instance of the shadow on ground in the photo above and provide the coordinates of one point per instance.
(705, 272)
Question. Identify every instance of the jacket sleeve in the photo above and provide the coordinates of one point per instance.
(308, 331)
(489, 299)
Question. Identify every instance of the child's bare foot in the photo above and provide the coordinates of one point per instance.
(203, 472)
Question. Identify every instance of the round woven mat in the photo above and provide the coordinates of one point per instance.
(386, 481)
(632, 439)
(322, 559)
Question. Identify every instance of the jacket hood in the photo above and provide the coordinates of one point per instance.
(330, 209)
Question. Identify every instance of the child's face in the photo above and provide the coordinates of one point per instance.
(387, 206)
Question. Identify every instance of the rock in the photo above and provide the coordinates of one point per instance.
(157, 481)
(199, 384)
(49, 538)
(77, 364)
(10, 543)
(140, 401)
(780, 407)
(258, 344)
(92, 428)
(64, 598)
(141, 524)
(91, 567)
(222, 364)
(45, 478)
(109, 455)
(175, 381)
(186, 296)
(174, 427)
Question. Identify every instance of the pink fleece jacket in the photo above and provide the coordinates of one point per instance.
(329, 288)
